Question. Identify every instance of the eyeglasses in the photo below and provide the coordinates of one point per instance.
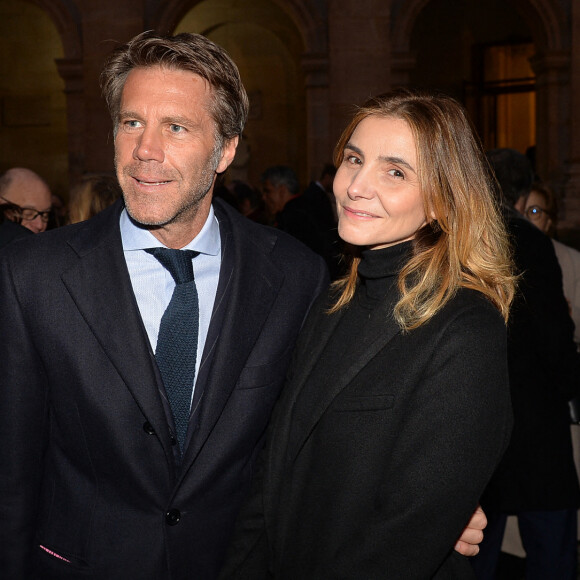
(27, 214)
(535, 212)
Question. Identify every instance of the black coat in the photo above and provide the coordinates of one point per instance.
(377, 478)
(309, 218)
(87, 461)
(537, 471)
(10, 231)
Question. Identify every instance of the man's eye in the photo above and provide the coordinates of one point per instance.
(131, 124)
(176, 128)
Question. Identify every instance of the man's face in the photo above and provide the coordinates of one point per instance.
(536, 210)
(33, 196)
(166, 152)
(275, 196)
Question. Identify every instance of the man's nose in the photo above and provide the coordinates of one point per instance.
(149, 146)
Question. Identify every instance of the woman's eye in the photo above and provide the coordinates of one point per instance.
(352, 159)
(397, 173)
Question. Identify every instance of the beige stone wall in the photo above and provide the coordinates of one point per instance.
(304, 62)
(33, 129)
(267, 47)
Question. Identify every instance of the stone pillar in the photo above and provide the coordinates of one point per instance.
(71, 71)
(101, 33)
(571, 213)
(402, 63)
(553, 117)
(360, 56)
(315, 67)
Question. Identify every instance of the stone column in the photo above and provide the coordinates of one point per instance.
(571, 213)
(360, 56)
(553, 117)
(71, 71)
(402, 63)
(315, 67)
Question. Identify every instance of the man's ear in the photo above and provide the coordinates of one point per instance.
(228, 154)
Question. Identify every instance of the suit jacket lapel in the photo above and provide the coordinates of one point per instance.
(100, 286)
(233, 331)
(311, 404)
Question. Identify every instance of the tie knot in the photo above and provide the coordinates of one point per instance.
(178, 262)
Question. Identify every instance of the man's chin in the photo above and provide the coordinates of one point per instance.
(144, 219)
(145, 214)
(148, 223)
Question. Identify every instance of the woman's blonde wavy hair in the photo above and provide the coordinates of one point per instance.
(465, 244)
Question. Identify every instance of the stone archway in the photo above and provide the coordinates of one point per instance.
(65, 16)
(307, 36)
(547, 22)
(34, 131)
(545, 19)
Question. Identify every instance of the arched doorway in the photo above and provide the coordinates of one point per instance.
(33, 129)
(438, 38)
(468, 51)
(267, 47)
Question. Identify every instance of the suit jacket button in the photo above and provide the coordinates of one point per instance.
(172, 517)
(148, 428)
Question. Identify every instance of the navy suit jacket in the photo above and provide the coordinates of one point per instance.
(89, 486)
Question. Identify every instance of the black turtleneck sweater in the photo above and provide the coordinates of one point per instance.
(373, 302)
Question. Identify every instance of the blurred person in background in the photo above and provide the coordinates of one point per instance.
(92, 195)
(30, 194)
(536, 479)
(542, 210)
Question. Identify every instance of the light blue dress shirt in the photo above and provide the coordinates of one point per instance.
(153, 284)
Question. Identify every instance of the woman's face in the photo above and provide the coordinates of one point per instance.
(536, 211)
(377, 191)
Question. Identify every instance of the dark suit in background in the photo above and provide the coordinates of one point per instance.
(89, 487)
(310, 218)
(537, 472)
(536, 479)
(10, 231)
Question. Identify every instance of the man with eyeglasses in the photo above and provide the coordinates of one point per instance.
(25, 199)
(536, 479)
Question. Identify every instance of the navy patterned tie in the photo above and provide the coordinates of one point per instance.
(176, 349)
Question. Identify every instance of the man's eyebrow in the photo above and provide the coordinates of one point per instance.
(124, 114)
(169, 119)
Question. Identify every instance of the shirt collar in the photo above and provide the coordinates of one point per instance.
(136, 238)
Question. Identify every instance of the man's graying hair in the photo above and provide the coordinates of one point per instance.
(188, 52)
(282, 175)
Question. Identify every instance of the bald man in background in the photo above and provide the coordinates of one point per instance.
(26, 198)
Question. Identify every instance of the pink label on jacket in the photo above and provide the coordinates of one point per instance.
(54, 554)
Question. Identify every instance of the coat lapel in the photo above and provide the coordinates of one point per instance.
(311, 404)
(241, 309)
(100, 286)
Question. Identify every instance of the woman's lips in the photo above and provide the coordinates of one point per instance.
(357, 213)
